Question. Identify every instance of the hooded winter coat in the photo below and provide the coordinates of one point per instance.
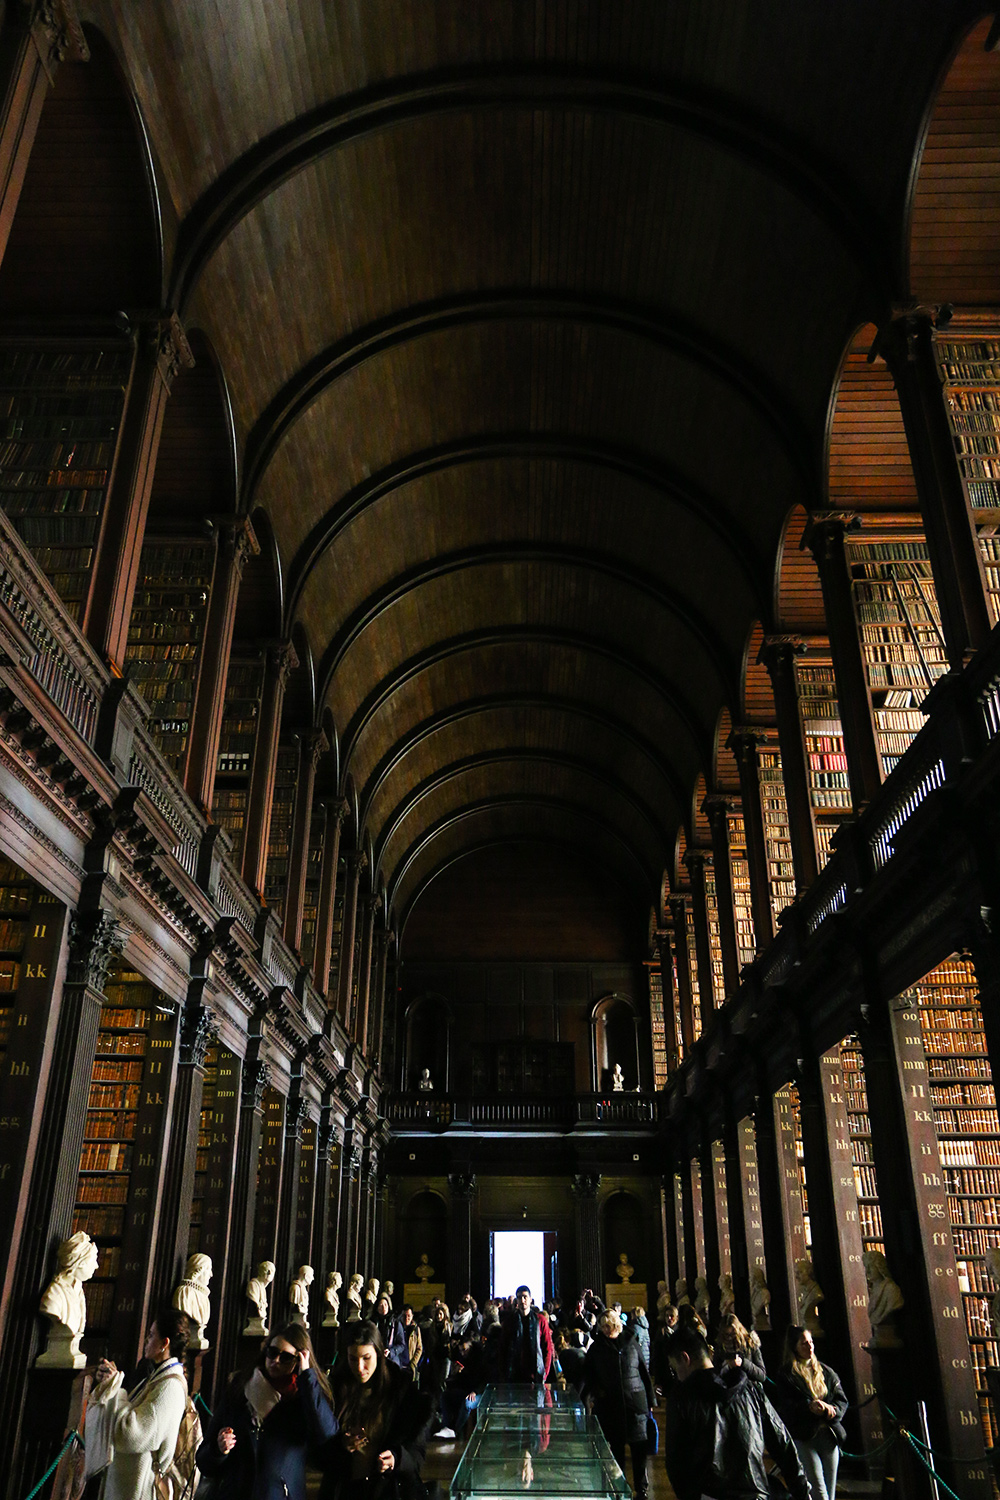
(268, 1461)
(716, 1428)
(639, 1324)
(615, 1375)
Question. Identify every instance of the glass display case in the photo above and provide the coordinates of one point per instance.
(533, 1439)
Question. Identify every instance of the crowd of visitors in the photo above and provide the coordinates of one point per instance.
(401, 1379)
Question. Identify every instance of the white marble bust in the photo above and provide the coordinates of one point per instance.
(64, 1304)
(191, 1296)
(257, 1286)
(298, 1295)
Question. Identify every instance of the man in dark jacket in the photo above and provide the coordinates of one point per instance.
(527, 1341)
(716, 1428)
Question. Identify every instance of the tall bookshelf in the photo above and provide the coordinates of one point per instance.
(860, 1130)
(899, 622)
(166, 634)
(823, 734)
(61, 406)
(237, 741)
(692, 963)
(714, 936)
(17, 896)
(777, 832)
(968, 1131)
(657, 1026)
(280, 838)
(314, 873)
(746, 946)
(969, 367)
(795, 1110)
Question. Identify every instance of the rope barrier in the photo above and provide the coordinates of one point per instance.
(74, 1437)
(933, 1472)
(204, 1405)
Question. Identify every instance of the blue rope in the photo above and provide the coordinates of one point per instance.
(74, 1437)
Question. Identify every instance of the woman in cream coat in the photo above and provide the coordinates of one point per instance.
(139, 1430)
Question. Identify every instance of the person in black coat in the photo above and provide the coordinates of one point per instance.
(269, 1421)
(616, 1378)
(384, 1426)
(739, 1349)
(812, 1404)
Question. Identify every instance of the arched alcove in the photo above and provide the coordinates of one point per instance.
(423, 1230)
(616, 1043)
(625, 1229)
(428, 1043)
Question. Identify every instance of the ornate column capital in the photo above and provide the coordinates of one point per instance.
(743, 740)
(585, 1185)
(57, 33)
(314, 743)
(296, 1114)
(357, 862)
(96, 939)
(237, 541)
(697, 859)
(825, 532)
(256, 1077)
(463, 1185)
(778, 652)
(282, 659)
(197, 1034)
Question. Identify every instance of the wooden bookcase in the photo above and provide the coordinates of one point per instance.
(269, 1177)
(166, 635)
(692, 962)
(121, 1158)
(714, 938)
(795, 1114)
(204, 1142)
(237, 742)
(280, 839)
(968, 1132)
(899, 622)
(314, 872)
(304, 1199)
(216, 1154)
(777, 834)
(18, 894)
(969, 367)
(657, 1026)
(61, 406)
(826, 758)
(859, 1128)
(746, 946)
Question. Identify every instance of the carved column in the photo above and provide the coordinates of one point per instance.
(772, 1217)
(37, 38)
(671, 1262)
(239, 1262)
(96, 941)
(357, 862)
(463, 1191)
(678, 909)
(717, 810)
(778, 655)
(712, 1258)
(825, 539)
(196, 1031)
(696, 860)
(378, 1052)
(323, 1236)
(288, 1201)
(281, 659)
(336, 811)
(162, 351)
(342, 1228)
(312, 744)
(371, 907)
(692, 1260)
(743, 743)
(665, 957)
(237, 543)
(588, 1231)
(736, 1207)
(907, 345)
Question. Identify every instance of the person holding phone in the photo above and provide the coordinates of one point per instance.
(268, 1423)
(384, 1426)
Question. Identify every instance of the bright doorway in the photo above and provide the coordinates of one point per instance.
(523, 1257)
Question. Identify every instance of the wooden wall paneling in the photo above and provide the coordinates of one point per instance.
(26, 1428)
(324, 1201)
(919, 1247)
(288, 1201)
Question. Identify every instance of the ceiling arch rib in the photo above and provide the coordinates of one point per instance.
(822, 188)
(486, 448)
(569, 708)
(408, 804)
(697, 734)
(520, 813)
(576, 558)
(667, 329)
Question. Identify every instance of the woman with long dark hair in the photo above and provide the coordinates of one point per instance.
(270, 1420)
(811, 1401)
(738, 1348)
(384, 1425)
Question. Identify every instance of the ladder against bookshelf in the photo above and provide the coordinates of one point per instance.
(899, 622)
(237, 742)
(61, 405)
(280, 838)
(166, 635)
(968, 1131)
(859, 1128)
(777, 835)
(826, 758)
(120, 1160)
(969, 366)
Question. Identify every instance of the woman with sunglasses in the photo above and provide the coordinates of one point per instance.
(384, 1425)
(268, 1422)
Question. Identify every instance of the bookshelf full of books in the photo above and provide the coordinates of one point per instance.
(17, 896)
(860, 1131)
(691, 958)
(969, 367)
(237, 741)
(280, 838)
(61, 405)
(795, 1115)
(742, 903)
(166, 633)
(657, 1026)
(714, 938)
(314, 872)
(899, 623)
(777, 834)
(968, 1132)
(826, 758)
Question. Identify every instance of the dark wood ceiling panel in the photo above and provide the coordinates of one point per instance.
(799, 598)
(955, 222)
(869, 461)
(758, 695)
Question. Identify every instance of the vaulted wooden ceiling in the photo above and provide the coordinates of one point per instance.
(530, 316)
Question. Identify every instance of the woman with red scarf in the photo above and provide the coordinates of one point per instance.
(268, 1423)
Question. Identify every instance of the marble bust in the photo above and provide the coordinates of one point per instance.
(808, 1293)
(331, 1299)
(884, 1300)
(760, 1300)
(191, 1296)
(64, 1304)
(353, 1314)
(298, 1295)
(257, 1286)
